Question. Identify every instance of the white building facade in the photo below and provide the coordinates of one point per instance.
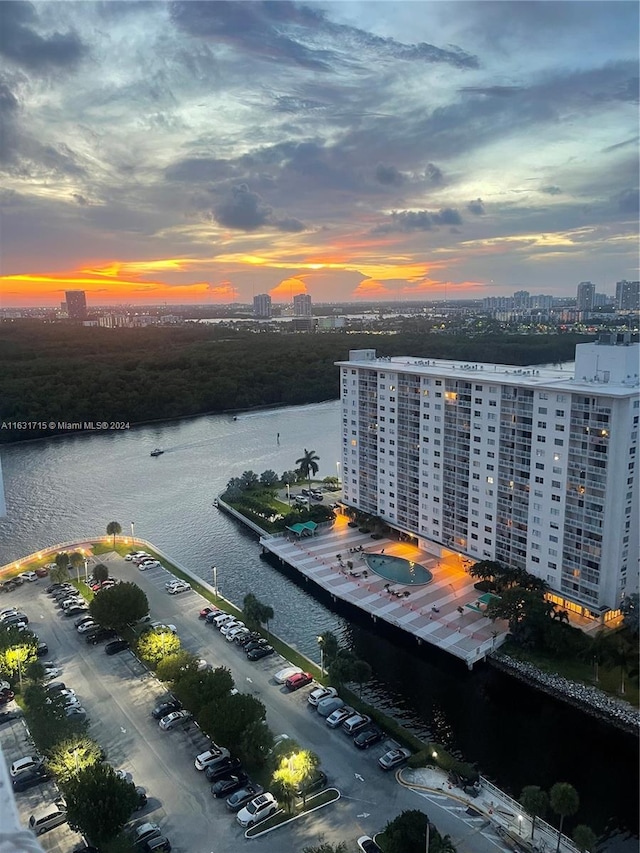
(534, 468)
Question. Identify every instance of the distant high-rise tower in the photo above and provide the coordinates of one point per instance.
(76, 304)
(262, 305)
(628, 295)
(586, 294)
(302, 305)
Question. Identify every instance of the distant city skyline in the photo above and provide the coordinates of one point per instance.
(206, 153)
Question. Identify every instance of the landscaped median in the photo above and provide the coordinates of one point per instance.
(282, 817)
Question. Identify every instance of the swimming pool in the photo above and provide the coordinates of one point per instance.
(398, 569)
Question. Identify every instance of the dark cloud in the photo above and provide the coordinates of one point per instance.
(296, 34)
(245, 210)
(9, 107)
(199, 170)
(79, 198)
(610, 148)
(476, 207)
(420, 220)
(21, 43)
(389, 175)
(551, 190)
(433, 174)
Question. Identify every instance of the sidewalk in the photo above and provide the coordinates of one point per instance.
(511, 823)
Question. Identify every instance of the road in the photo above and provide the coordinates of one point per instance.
(119, 694)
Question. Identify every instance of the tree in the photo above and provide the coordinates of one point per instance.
(61, 572)
(101, 572)
(48, 722)
(177, 666)
(268, 478)
(198, 689)
(17, 651)
(99, 802)
(407, 833)
(254, 744)
(329, 643)
(565, 802)
(73, 755)
(227, 718)
(114, 529)
(361, 672)
(76, 560)
(256, 613)
(308, 464)
(249, 479)
(535, 802)
(585, 838)
(630, 609)
(619, 652)
(156, 644)
(295, 768)
(124, 604)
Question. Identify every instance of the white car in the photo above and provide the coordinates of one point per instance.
(258, 809)
(175, 718)
(203, 664)
(52, 672)
(222, 619)
(25, 763)
(149, 564)
(285, 673)
(231, 626)
(29, 576)
(160, 626)
(235, 631)
(178, 586)
(7, 613)
(209, 757)
(321, 693)
(72, 602)
(87, 626)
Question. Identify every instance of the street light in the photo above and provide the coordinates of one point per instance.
(215, 581)
(133, 530)
(86, 569)
(338, 471)
(288, 494)
(520, 824)
(321, 644)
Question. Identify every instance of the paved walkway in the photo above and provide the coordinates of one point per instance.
(434, 613)
(492, 810)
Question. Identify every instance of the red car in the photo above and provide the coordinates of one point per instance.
(6, 695)
(42, 572)
(300, 679)
(207, 610)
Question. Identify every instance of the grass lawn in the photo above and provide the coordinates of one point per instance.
(608, 679)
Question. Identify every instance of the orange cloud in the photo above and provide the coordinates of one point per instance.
(287, 289)
(372, 289)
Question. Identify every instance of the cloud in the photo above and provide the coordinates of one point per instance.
(627, 201)
(389, 175)
(476, 207)
(420, 220)
(20, 43)
(433, 174)
(551, 190)
(245, 210)
(288, 288)
(493, 91)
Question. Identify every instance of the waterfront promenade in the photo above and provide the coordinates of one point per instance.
(442, 613)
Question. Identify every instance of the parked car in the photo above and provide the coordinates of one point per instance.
(281, 676)
(6, 695)
(222, 767)
(156, 845)
(6, 612)
(76, 610)
(100, 636)
(258, 809)
(52, 672)
(327, 707)
(230, 626)
(368, 845)
(209, 618)
(42, 650)
(300, 679)
(179, 586)
(175, 718)
(260, 652)
(55, 687)
(29, 576)
(209, 757)
(42, 571)
(368, 737)
(87, 626)
(15, 618)
(7, 716)
(222, 618)
(81, 620)
(321, 693)
(28, 762)
(116, 646)
(149, 564)
(206, 611)
(48, 818)
(234, 632)
(76, 712)
(165, 708)
(394, 758)
(30, 778)
(160, 626)
(145, 832)
(355, 724)
(225, 787)
(247, 793)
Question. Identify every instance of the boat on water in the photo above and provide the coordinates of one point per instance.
(156, 452)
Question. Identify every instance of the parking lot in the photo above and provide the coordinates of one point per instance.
(118, 694)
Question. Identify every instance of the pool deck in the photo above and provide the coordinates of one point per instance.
(468, 636)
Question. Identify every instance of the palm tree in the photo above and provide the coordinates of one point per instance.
(76, 559)
(585, 838)
(114, 529)
(308, 464)
(564, 801)
(535, 802)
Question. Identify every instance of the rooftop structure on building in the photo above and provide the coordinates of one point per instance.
(531, 467)
(262, 306)
(302, 305)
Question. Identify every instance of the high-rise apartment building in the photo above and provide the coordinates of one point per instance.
(262, 305)
(628, 295)
(585, 296)
(76, 304)
(524, 466)
(302, 305)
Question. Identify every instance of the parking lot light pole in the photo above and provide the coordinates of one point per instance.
(321, 644)
(133, 531)
(215, 581)
(86, 569)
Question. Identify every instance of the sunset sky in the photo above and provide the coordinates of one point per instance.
(209, 151)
